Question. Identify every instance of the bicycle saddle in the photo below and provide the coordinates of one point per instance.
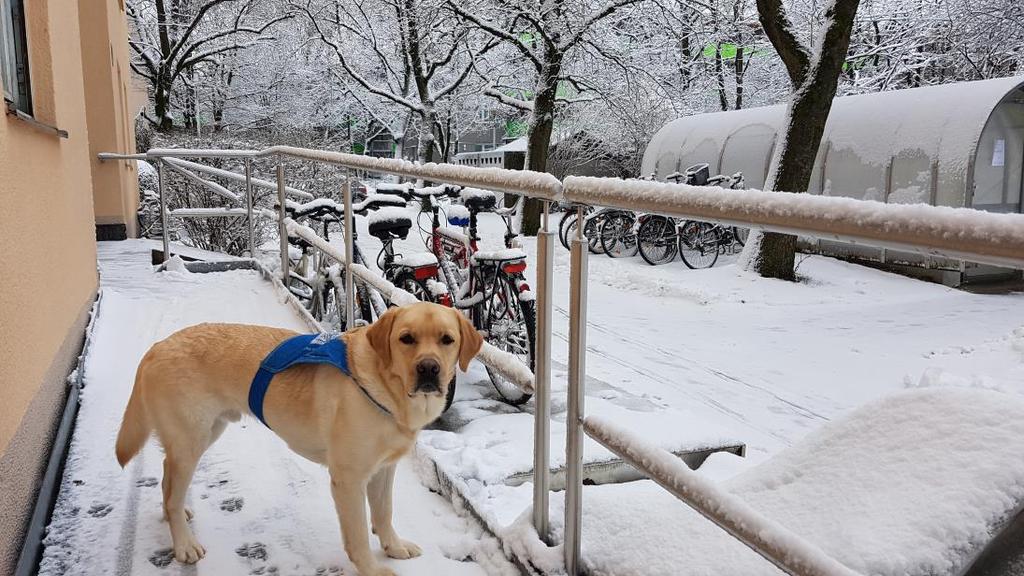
(390, 223)
(478, 200)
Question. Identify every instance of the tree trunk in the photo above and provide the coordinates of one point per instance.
(814, 89)
(723, 102)
(162, 107)
(538, 139)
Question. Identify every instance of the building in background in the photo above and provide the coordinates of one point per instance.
(64, 71)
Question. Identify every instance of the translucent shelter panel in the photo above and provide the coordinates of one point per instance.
(846, 174)
(668, 162)
(911, 178)
(999, 162)
(707, 151)
(749, 150)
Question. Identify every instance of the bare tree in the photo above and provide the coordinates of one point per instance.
(814, 77)
(406, 52)
(173, 36)
(556, 27)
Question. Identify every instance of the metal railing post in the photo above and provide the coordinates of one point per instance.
(249, 201)
(350, 222)
(577, 385)
(163, 209)
(282, 214)
(542, 377)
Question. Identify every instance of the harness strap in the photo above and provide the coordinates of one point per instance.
(302, 349)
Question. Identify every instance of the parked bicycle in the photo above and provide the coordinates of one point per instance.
(660, 238)
(493, 288)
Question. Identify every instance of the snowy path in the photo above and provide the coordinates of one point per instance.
(260, 509)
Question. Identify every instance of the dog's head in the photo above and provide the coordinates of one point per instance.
(421, 344)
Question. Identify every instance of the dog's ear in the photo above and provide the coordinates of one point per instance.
(470, 341)
(379, 335)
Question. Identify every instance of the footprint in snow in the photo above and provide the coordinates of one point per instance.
(162, 558)
(100, 510)
(147, 482)
(329, 571)
(254, 551)
(264, 571)
(232, 504)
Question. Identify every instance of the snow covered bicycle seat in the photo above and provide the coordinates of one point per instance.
(390, 223)
(478, 200)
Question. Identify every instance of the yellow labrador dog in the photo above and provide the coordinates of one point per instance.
(189, 386)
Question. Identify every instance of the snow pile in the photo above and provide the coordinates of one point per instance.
(175, 264)
(910, 484)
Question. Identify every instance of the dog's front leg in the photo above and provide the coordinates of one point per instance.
(350, 502)
(380, 490)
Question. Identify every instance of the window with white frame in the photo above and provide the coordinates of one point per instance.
(14, 56)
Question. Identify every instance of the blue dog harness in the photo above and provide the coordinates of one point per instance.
(301, 349)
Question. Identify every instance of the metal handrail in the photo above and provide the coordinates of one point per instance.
(957, 233)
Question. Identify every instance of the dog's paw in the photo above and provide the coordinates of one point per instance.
(189, 552)
(402, 549)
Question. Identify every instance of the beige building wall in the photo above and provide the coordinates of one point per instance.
(108, 97)
(79, 82)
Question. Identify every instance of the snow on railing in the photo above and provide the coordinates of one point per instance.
(208, 212)
(773, 541)
(236, 177)
(960, 233)
(509, 366)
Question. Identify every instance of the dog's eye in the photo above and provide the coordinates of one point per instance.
(446, 340)
(407, 339)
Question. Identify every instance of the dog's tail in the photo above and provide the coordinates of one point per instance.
(135, 426)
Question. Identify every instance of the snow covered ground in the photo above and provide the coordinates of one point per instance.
(260, 509)
(686, 357)
(683, 358)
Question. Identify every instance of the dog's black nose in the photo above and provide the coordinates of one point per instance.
(428, 368)
(427, 371)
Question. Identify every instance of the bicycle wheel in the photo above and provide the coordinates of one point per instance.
(568, 221)
(698, 244)
(656, 240)
(592, 231)
(418, 288)
(510, 323)
(617, 237)
(740, 235)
